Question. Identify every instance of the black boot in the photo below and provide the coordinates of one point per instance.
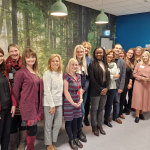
(73, 145)
(86, 122)
(107, 123)
(141, 117)
(81, 136)
(137, 120)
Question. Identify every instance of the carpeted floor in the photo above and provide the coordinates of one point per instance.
(126, 136)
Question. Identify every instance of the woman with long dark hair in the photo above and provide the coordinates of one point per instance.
(100, 78)
(129, 59)
(7, 104)
(28, 90)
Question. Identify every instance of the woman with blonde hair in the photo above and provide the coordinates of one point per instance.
(114, 75)
(87, 46)
(138, 53)
(28, 90)
(72, 102)
(79, 55)
(141, 96)
(52, 100)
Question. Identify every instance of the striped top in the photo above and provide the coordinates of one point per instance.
(71, 112)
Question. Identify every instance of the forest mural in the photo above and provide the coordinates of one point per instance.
(28, 23)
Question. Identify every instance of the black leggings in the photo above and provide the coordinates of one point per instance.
(71, 129)
(5, 126)
(32, 130)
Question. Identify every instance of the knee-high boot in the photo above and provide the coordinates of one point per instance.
(22, 138)
(30, 142)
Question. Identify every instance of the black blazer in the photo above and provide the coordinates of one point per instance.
(96, 79)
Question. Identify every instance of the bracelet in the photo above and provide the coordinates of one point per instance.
(130, 83)
(81, 99)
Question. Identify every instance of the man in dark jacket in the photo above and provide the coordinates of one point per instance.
(119, 82)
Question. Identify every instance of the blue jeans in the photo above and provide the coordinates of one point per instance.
(116, 106)
(79, 120)
(109, 102)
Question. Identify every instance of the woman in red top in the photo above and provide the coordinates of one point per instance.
(28, 89)
(7, 105)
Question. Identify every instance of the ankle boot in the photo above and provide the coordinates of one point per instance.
(14, 141)
(95, 131)
(30, 142)
(22, 137)
(81, 136)
(101, 129)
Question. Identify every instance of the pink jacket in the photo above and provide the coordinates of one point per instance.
(26, 94)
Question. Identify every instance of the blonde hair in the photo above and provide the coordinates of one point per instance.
(114, 55)
(84, 43)
(30, 52)
(145, 53)
(51, 59)
(69, 64)
(136, 50)
(83, 59)
(13, 45)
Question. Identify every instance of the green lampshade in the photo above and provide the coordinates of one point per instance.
(59, 9)
(101, 18)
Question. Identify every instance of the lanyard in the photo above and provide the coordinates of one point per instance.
(75, 79)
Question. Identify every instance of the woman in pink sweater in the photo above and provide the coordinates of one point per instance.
(28, 89)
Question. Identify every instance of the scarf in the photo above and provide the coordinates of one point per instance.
(10, 63)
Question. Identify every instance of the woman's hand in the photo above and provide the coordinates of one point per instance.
(129, 86)
(76, 105)
(145, 79)
(80, 102)
(116, 75)
(104, 91)
(13, 109)
(52, 110)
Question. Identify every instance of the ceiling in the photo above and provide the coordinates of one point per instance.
(116, 7)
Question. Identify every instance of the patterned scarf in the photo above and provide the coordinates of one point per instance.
(10, 63)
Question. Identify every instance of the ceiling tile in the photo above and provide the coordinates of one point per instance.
(92, 3)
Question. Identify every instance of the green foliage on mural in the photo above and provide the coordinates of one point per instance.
(36, 28)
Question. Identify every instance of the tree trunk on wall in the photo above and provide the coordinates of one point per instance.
(2, 15)
(14, 21)
(8, 22)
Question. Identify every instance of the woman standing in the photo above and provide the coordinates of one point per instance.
(79, 54)
(18, 132)
(72, 102)
(99, 77)
(114, 75)
(138, 53)
(122, 54)
(87, 46)
(28, 89)
(52, 102)
(141, 97)
(7, 105)
(129, 59)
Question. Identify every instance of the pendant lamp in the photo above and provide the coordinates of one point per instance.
(59, 9)
(101, 18)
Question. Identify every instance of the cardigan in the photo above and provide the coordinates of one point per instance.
(26, 94)
(6, 93)
(53, 88)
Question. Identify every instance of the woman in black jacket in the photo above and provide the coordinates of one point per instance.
(7, 105)
(99, 77)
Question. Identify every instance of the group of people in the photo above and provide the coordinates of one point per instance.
(99, 83)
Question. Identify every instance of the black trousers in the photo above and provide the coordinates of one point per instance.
(87, 104)
(129, 102)
(16, 124)
(123, 99)
(5, 126)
